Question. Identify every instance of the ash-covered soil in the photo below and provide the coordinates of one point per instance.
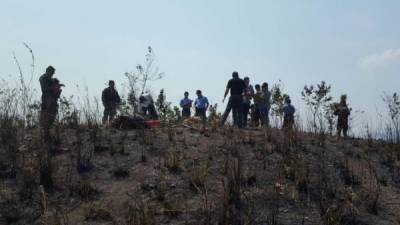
(180, 175)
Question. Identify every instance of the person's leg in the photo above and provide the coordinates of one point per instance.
(113, 112)
(44, 121)
(237, 108)
(345, 129)
(267, 117)
(257, 117)
(152, 112)
(227, 111)
(48, 114)
(185, 112)
(291, 122)
(285, 122)
(203, 114)
(246, 109)
(263, 117)
(339, 128)
(43, 116)
(240, 112)
(235, 115)
(105, 115)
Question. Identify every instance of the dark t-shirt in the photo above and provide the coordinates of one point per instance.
(110, 97)
(51, 90)
(236, 85)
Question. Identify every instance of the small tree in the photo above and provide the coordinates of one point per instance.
(213, 114)
(393, 106)
(329, 116)
(177, 114)
(278, 100)
(165, 110)
(138, 81)
(317, 98)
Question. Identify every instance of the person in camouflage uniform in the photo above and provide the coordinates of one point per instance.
(110, 99)
(51, 91)
(342, 111)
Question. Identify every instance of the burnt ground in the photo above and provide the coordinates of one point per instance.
(179, 175)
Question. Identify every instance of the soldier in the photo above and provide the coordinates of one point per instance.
(186, 104)
(51, 91)
(110, 99)
(342, 111)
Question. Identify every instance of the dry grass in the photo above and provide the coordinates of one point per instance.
(97, 211)
(87, 191)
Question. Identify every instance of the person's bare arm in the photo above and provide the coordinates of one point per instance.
(226, 93)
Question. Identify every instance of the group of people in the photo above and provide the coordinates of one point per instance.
(111, 100)
(244, 100)
(201, 105)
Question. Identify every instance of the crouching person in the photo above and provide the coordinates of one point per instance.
(110, 99)
(147, 106)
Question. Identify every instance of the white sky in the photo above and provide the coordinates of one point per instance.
(353, 45)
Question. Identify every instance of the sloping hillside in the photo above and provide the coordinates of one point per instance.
(179, 175)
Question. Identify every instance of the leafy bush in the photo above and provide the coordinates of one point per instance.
(165, 110)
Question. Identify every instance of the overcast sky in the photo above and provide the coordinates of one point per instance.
(353, 45)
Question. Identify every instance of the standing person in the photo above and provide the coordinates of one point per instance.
(256, 107)
(288, 114)
(51, 91)
(248, 94)
(201, 104)
(342, 111)
(236, 87)
(186, 104)
(110, 99)
(266, 104)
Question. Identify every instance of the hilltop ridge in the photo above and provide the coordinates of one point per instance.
(178, 175)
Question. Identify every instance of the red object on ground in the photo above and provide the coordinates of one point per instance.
(152, 123)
